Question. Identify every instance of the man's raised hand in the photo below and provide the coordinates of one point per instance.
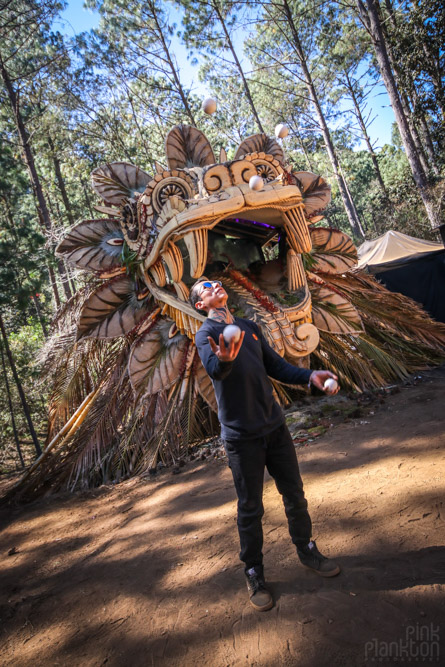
(224, 351)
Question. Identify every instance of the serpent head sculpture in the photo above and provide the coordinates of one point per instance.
(200, 216)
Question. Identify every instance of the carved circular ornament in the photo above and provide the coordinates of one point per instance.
(266, 170)
(170, 187)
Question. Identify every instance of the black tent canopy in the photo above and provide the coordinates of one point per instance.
(411, 266)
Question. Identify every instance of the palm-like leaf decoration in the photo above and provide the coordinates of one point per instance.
(119, 181)
(333, 251)
(316, 192)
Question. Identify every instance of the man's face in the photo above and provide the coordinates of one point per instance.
(211, 295)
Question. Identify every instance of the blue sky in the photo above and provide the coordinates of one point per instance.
(76, 19)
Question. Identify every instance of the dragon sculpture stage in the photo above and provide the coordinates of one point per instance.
(128, 385)
(164, 223)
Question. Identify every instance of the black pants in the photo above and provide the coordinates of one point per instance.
(247, 460)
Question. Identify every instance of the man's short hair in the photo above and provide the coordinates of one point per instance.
(194, 295)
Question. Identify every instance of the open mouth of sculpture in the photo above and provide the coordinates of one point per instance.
(241, 242)
(231, 231)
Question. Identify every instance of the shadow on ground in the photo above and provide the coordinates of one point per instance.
(146, 573)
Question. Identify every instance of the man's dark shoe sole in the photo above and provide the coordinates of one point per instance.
(265, 607)
(330, 573)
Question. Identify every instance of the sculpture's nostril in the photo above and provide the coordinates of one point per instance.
(242, 171)
(217, 178)
(222, 176)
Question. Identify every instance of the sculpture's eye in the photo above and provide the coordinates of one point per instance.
(267, 170)
(171, 186)
(115, 241)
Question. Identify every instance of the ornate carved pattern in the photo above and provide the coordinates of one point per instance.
(261, 143)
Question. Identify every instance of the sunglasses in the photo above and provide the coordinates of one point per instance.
(209, 286)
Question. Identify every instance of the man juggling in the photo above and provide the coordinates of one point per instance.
(254, 431)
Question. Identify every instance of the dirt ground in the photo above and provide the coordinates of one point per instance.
(147, 572)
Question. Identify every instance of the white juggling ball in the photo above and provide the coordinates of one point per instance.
(281, 131)
(231, 332)
(330, 386)
(256, 183)
(209, 106)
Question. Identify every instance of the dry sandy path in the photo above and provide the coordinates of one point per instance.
(146, 573)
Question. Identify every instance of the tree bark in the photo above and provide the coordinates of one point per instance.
(19, 388)
(405, 91)
(87, 198)
(370, 17)
(437, 79)
(53, 283)
(42, 208)
(11, 408)
(426, 135)
(364, 129)
(238, 66)
(61, 183)
(350, 210)
(411, 122)
(35, 300)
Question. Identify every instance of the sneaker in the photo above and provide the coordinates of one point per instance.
(314, 560)
(260, 597)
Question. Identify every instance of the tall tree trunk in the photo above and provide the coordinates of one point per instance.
(61, 268)
(350, 210)
(364, 129)
(351, 201)
(35, 300)
(425, 132)
(64, 278)
(437, 80)
(404, 91)
(11, 408)
(370, 17)
(42, 208)
(53, 283)
(87, 198)
(165, 46)
(19, 388)
(238, 65)
(411, 121)
(61, 182)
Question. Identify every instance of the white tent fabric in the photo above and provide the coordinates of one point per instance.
(392, 246)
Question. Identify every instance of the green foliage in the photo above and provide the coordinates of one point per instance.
(25, 344)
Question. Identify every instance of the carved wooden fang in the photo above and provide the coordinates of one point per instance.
(297, 231)
(196, 243)
(183, 293)
(157, 272)
(296, 277)
(175, 264)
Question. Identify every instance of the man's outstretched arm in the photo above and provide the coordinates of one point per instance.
(279, 369)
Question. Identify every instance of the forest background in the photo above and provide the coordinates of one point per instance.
(71, 103)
